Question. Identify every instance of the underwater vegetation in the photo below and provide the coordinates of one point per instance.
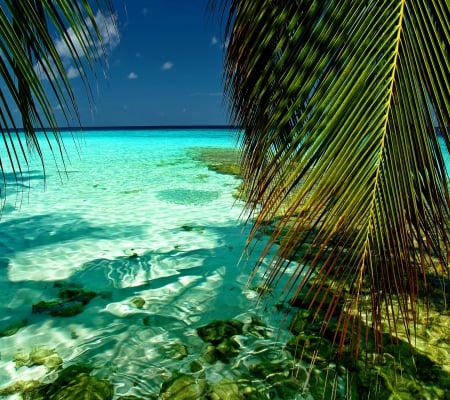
(71, 301)
(73, 383)
(217, 159)
(273, 371)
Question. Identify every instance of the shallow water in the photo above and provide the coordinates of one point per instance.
(132, 216)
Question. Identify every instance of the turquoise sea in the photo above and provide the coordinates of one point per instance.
(145, 244)
(158, 237)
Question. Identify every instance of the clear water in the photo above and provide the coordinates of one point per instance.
(128, 193)
(131, 215)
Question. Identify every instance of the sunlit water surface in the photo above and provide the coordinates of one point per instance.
(131, 214)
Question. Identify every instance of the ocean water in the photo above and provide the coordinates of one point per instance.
(130, 215)
(159, 237)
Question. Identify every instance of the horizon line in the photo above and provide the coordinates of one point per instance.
(146, 127)
(128, 127)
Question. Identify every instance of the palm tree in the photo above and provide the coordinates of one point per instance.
(344, 108)
(343, 105)
(34, 72)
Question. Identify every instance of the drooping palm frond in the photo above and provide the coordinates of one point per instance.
(34, 72)
(341, 104)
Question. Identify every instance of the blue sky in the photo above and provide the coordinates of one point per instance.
(165, 68)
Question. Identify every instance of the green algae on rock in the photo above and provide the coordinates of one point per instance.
(236, 389)
(84, 387)
(220, 336)
(58, 308)
(195, 366)
(218, 159)
(174, 351)
(71, 301)
(226, 389)
(21, 386)
(44, 356)
(227, 349)
(279, 376)
(73, 383)
(403, 371)
(216, 331)
(39, 355)
(183, 387)
(138, 302)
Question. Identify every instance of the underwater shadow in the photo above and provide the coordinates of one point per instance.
(19, 181)
(21, 234)
(153, 271)
(27, 234)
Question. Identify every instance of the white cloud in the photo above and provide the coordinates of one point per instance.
(72, 72)
(167, 65)
(108, 34)
(109, 40)
(39, 70)
(52, 71)
(132, 75)
(214, 41)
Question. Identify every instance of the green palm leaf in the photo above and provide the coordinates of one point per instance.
(34, 73)
(339, 103)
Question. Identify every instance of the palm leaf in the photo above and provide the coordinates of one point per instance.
(30, 57)
(341, 104)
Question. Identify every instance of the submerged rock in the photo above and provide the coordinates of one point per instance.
(21, 359)
(227, 348)
(279, 376)
(40, 355)
(174, 351)
(85, 387)
(20, 387)
(183, 387)
(77, 295)
(71, 301)
(138, 302)
(221, 160)
(216, 331)
(257, 328)
(58, 308)
(195, 366)
(226, 389)
(239, 389)
(210, 354)
(45, 356)
(74, 383)
(311, 347)
(220, 334)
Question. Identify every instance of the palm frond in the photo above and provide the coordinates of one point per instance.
(34, 71)
(341, 104)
